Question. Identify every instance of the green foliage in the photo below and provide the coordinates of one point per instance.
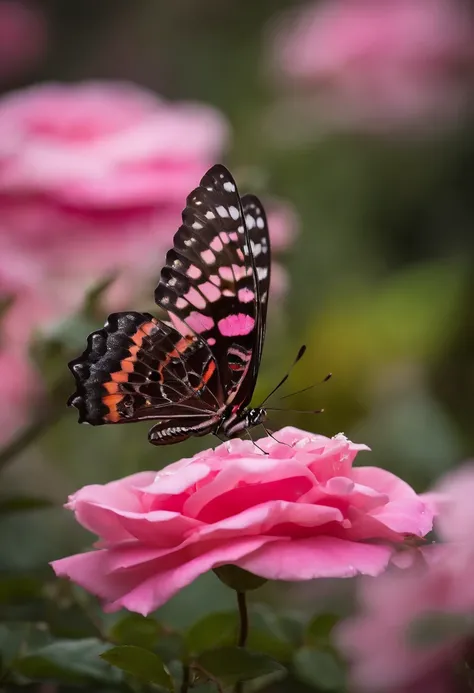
(319, 669)
(134, 629)
(67, 661)
(140, 663)
(231, 664)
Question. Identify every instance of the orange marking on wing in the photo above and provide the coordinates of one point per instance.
(207, 376)
(119, 377)
(111, 401)
(112, 387)
(127, 365)
(210, 370)
(112, 416)
(148, 327)
(138, 337)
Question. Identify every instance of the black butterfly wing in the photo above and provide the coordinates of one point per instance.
(215, 278)
(138, 368)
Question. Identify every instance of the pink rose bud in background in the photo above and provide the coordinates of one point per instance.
(416, 626)
(300, 512)
(378, 65)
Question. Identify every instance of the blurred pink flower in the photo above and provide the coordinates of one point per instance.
(299, 512)
(380, 64)
(435, 595)
(93, 176)
(23, 36)
(20, 387)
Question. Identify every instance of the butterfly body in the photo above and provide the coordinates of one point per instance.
(194, 372)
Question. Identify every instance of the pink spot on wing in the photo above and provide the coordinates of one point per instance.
(216, 244)
(195, 298)
(194, 272)
(233, 236)
(224, 237)
(199, 322)
(210, 291)
(208, 257)
(236, 325)
(245, 295)
(226, 273)
(211, 341)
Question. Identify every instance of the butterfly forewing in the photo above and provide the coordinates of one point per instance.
(210, 284)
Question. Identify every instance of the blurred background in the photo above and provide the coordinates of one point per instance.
(352, 119)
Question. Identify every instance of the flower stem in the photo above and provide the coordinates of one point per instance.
(244, 619)
(243, 631)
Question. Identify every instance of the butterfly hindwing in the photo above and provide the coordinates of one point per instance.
(137, 368)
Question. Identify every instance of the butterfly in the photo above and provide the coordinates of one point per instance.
(195, 372)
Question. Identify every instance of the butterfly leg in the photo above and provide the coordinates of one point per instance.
(270, 433)
(257, 446)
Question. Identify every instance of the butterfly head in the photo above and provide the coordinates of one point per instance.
(240, 421)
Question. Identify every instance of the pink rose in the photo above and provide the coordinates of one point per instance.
(300, 512)
(23, 37)
(380, 64)
(436, 595)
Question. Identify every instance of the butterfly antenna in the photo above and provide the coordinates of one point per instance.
(310, 387)
(285, 378)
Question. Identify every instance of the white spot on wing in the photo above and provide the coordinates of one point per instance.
(260, 223)
(222, 212)
(197, 225)
(249, 221)
(210, 215)
(234, 212)
(229, 186)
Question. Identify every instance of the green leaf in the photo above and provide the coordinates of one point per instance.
(433, 629)
(134, 629)
(68, 661)
(318, 631)
(319, 669)
(211, 631)
(23, 503)
(232, 664)
(141, 663)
